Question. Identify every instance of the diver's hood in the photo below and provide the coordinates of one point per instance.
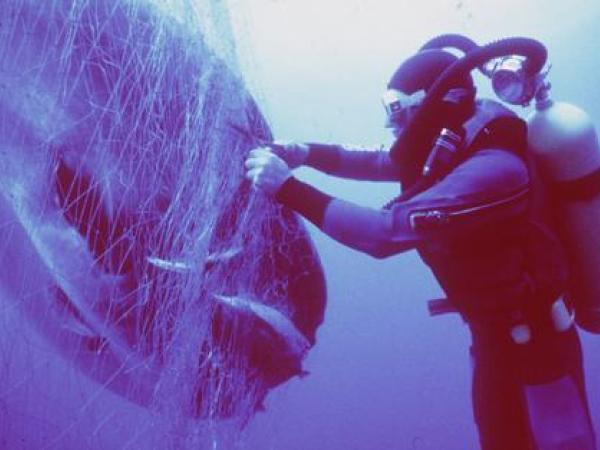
(420, 72)
(456, 108)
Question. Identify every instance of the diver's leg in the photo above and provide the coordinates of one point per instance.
(498, 404)
(531, 396)
(554, 388)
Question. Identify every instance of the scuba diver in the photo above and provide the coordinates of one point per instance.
(475, 207)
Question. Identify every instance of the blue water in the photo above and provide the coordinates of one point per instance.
(383, 374)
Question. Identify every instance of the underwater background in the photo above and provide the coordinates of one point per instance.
(382, 374)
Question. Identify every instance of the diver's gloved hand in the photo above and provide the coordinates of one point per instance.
(266, 170)
(293, 153)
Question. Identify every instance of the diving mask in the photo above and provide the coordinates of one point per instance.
(400, 107)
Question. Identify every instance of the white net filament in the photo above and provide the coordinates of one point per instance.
(129, 239)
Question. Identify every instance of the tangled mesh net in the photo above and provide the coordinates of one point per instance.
(135, 245)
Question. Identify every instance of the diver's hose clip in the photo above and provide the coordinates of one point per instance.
(444, 153)
(561, 317)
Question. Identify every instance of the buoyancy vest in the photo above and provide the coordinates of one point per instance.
(515, 266)
(489, 123)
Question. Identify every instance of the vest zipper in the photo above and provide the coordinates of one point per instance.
(424, 220)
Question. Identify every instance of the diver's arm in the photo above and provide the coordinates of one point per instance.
(364, 229)
(339, 161)
(491, 186)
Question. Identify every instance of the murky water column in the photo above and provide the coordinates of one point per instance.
(149, 298)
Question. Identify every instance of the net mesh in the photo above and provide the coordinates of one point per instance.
(134, 244)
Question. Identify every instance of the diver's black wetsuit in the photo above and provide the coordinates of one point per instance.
(487, 240)
(482, 259)
(500, 266)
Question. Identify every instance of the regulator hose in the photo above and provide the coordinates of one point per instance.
(455, 41)
(458, 41)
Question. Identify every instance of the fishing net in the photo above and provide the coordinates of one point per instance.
(129, 239)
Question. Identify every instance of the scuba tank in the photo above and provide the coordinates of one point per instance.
(564, 145)
(562, 142)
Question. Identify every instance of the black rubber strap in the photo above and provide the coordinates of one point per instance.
(304, 199)
(584, 188)
(323, 157)
(439, 306)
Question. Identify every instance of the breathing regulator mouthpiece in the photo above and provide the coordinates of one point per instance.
(511, 82)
